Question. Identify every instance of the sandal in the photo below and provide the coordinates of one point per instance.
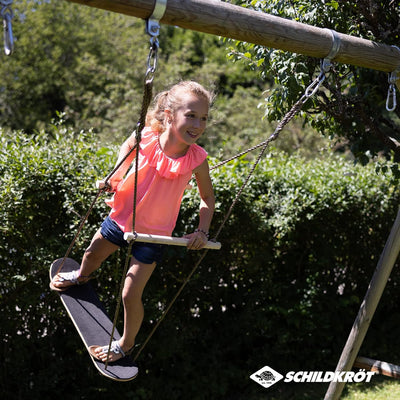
(72, 277)
(114, 348)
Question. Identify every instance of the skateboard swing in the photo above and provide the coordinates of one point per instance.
(90, 317)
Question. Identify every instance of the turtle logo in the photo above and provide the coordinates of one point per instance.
(266, 377)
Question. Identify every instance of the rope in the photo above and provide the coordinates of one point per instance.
(290, 114)
(288, 117)
(147, 96)
(82, 222)
(170, 304)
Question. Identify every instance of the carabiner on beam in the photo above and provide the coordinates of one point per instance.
(391, 102)
(7, 14)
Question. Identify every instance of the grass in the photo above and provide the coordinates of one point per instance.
(381, 388)
(388, 389)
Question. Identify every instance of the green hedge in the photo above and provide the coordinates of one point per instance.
(297, 255)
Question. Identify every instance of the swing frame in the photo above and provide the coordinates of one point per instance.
(227, 20)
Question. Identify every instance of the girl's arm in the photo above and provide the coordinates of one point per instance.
(198, 239)
(123, 151)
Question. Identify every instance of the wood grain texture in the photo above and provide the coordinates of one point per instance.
(228, 20)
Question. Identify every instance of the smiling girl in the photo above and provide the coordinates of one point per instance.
(168, 157)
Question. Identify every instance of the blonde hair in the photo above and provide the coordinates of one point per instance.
(171, 100)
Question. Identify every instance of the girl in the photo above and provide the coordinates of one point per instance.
(168, 157)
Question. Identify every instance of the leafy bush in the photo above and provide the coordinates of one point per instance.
(46, 185)
(297, 255)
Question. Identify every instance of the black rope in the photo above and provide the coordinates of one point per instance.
(82, 222)
(290, 114)
(147, 96)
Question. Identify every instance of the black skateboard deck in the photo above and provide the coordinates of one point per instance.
(92, 322)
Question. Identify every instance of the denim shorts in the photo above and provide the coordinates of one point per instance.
(146, 253)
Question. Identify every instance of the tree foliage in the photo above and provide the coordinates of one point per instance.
(352, 109)
(95, 78)
(297, 255)
(71, 59)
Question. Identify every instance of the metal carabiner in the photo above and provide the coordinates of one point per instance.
(8, 34)
(391, 102)
(7, 14)
(391, 98)
(152, 60)
(314, 86)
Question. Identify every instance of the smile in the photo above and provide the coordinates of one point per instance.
(192, 135)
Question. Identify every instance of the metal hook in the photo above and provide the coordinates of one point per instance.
(153, 29)
(325, 65)
(7, 15)
(152, 23)
(393, 77)
(335, 45)
(391, 102)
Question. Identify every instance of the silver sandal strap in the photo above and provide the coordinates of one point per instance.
(115, 348)
(70, 276)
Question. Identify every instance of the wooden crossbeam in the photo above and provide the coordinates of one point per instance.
(228, 20)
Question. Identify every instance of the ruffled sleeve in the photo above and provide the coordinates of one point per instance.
(167, 167)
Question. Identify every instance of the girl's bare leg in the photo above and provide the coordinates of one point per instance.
(135, 282)
(98, 250)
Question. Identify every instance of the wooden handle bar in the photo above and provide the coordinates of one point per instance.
(174, 241)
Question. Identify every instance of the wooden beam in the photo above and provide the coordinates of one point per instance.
(228, 20)
(380, 367)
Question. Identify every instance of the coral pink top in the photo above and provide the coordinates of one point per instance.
(161, 183)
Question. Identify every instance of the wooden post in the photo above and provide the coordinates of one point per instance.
(367, 309)
(224, 19)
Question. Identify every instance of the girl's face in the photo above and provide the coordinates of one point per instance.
(189, 120)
